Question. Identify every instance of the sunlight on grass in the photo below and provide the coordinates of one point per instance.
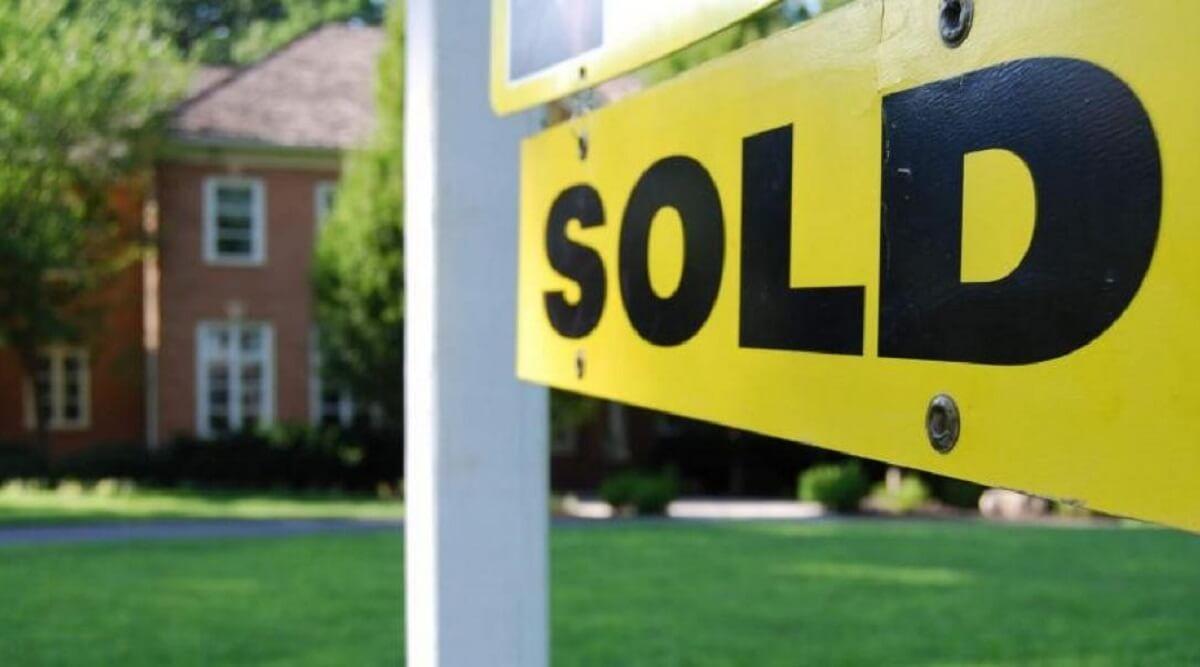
(32, 502)
(873, 592)
(866, 572)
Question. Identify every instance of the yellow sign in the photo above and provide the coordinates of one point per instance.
(547, 49)
(852, 230)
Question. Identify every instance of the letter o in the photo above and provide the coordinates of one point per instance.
(684, 184)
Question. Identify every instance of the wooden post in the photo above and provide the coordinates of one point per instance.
(476, 460)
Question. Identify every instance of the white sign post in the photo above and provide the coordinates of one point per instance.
(476, 439)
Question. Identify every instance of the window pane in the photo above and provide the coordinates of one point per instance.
(252, 393)
(41, 387)
(325, 200)
(235, 221)
(234, 228)
(43, 368)
(236, 372)
(71, 400)
(234, 247)
(331, 405)
(72, 390)
(234, 197)
(218, 338)
(252, 339)
(218, 388)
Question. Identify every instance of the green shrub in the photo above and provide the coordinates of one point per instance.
(958, 492)
(643, 492)
(654, 493)
(618, 490)
(104, 461)
(838, 486)
(19, 461)
(288, 456)
(912, 494)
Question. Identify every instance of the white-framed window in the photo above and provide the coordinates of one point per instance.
(235, 377)
(63, 382)
(235, 220)
(331, 405)
(324, 197)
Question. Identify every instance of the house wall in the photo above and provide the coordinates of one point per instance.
(192, 291)
(116, 371)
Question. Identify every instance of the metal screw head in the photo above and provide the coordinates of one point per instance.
(942, 423)
(954, 21)
(580, 364)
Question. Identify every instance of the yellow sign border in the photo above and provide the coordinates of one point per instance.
(695, 20)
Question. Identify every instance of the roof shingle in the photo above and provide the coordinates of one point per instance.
(316, 92)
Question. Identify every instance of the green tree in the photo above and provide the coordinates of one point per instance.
(359, 268)
(83, 90)
(240, 31)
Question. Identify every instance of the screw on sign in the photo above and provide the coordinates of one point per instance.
(942, 423)
(954, 21)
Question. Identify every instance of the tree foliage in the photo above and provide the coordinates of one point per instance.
(83, 90)
(359, 268)
(240, 31)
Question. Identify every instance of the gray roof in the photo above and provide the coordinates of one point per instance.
(316, 92)
(208, 76)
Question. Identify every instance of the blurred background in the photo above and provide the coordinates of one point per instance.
(201, 400)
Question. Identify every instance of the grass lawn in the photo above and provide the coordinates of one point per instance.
(21, 503)
(636, 594)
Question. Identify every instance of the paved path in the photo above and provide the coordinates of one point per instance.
(707, 508)
(183, 530)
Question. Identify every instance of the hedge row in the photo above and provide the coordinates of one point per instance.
(291, 458)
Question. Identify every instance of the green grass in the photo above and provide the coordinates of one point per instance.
(633, 594)
(318, 600)
(24, 503)
(874, 593)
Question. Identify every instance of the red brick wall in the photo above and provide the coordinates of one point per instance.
(116, 365)
(193, 291)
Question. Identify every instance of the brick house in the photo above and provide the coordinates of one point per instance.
(215, 330)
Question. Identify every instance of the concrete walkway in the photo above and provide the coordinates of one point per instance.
(706, 508)
(184, 529)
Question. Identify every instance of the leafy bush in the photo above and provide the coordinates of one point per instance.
(838, 486)
(20, 462)
(958, 492)
(286, 457)
(643, 492)
(293, 457)
(912, 494)
(107, 461)
(618, 490)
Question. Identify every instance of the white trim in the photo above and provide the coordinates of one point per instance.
(56, 357)
(258, 221)
(320, 211)
(235, 156)
(234, 330)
